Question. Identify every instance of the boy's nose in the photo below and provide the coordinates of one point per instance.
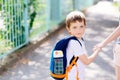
(79, 29)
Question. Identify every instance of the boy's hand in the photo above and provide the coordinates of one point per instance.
(97, 47)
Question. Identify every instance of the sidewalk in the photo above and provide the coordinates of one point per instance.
(34, 65)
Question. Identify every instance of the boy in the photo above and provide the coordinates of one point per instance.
(75, 24)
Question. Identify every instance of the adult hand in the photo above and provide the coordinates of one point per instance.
(98, 46)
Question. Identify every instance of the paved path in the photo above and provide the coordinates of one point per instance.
(35, 64)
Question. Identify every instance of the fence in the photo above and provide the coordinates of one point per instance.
(51, 12)
(15, 26)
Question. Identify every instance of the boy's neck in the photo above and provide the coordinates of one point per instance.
(81, 38)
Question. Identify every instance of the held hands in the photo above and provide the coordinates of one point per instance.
(98, 47)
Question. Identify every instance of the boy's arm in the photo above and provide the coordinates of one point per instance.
(89, 59)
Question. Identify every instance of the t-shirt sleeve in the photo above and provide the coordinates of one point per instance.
(76, 48)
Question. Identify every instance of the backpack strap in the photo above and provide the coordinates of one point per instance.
(74, 38)
(70, 66)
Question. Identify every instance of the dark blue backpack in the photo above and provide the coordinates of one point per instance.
(58, 61)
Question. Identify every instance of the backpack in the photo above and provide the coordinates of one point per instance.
(58, 63)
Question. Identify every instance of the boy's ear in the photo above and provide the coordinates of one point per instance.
(67, 28)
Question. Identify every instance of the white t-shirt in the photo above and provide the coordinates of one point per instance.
(74, 48)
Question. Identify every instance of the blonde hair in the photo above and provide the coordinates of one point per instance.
(75, 16)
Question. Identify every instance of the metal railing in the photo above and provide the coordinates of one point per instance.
(13, 28)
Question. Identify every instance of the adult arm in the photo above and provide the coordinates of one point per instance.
(111, 37)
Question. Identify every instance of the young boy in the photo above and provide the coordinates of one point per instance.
(76, 25)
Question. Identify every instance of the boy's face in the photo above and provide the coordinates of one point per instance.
(77, 29)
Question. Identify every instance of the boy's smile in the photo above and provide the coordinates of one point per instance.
(77, 29)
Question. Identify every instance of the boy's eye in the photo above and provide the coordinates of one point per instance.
(74, 27)
(81, 26)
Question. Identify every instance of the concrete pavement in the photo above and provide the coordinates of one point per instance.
(34, 65)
